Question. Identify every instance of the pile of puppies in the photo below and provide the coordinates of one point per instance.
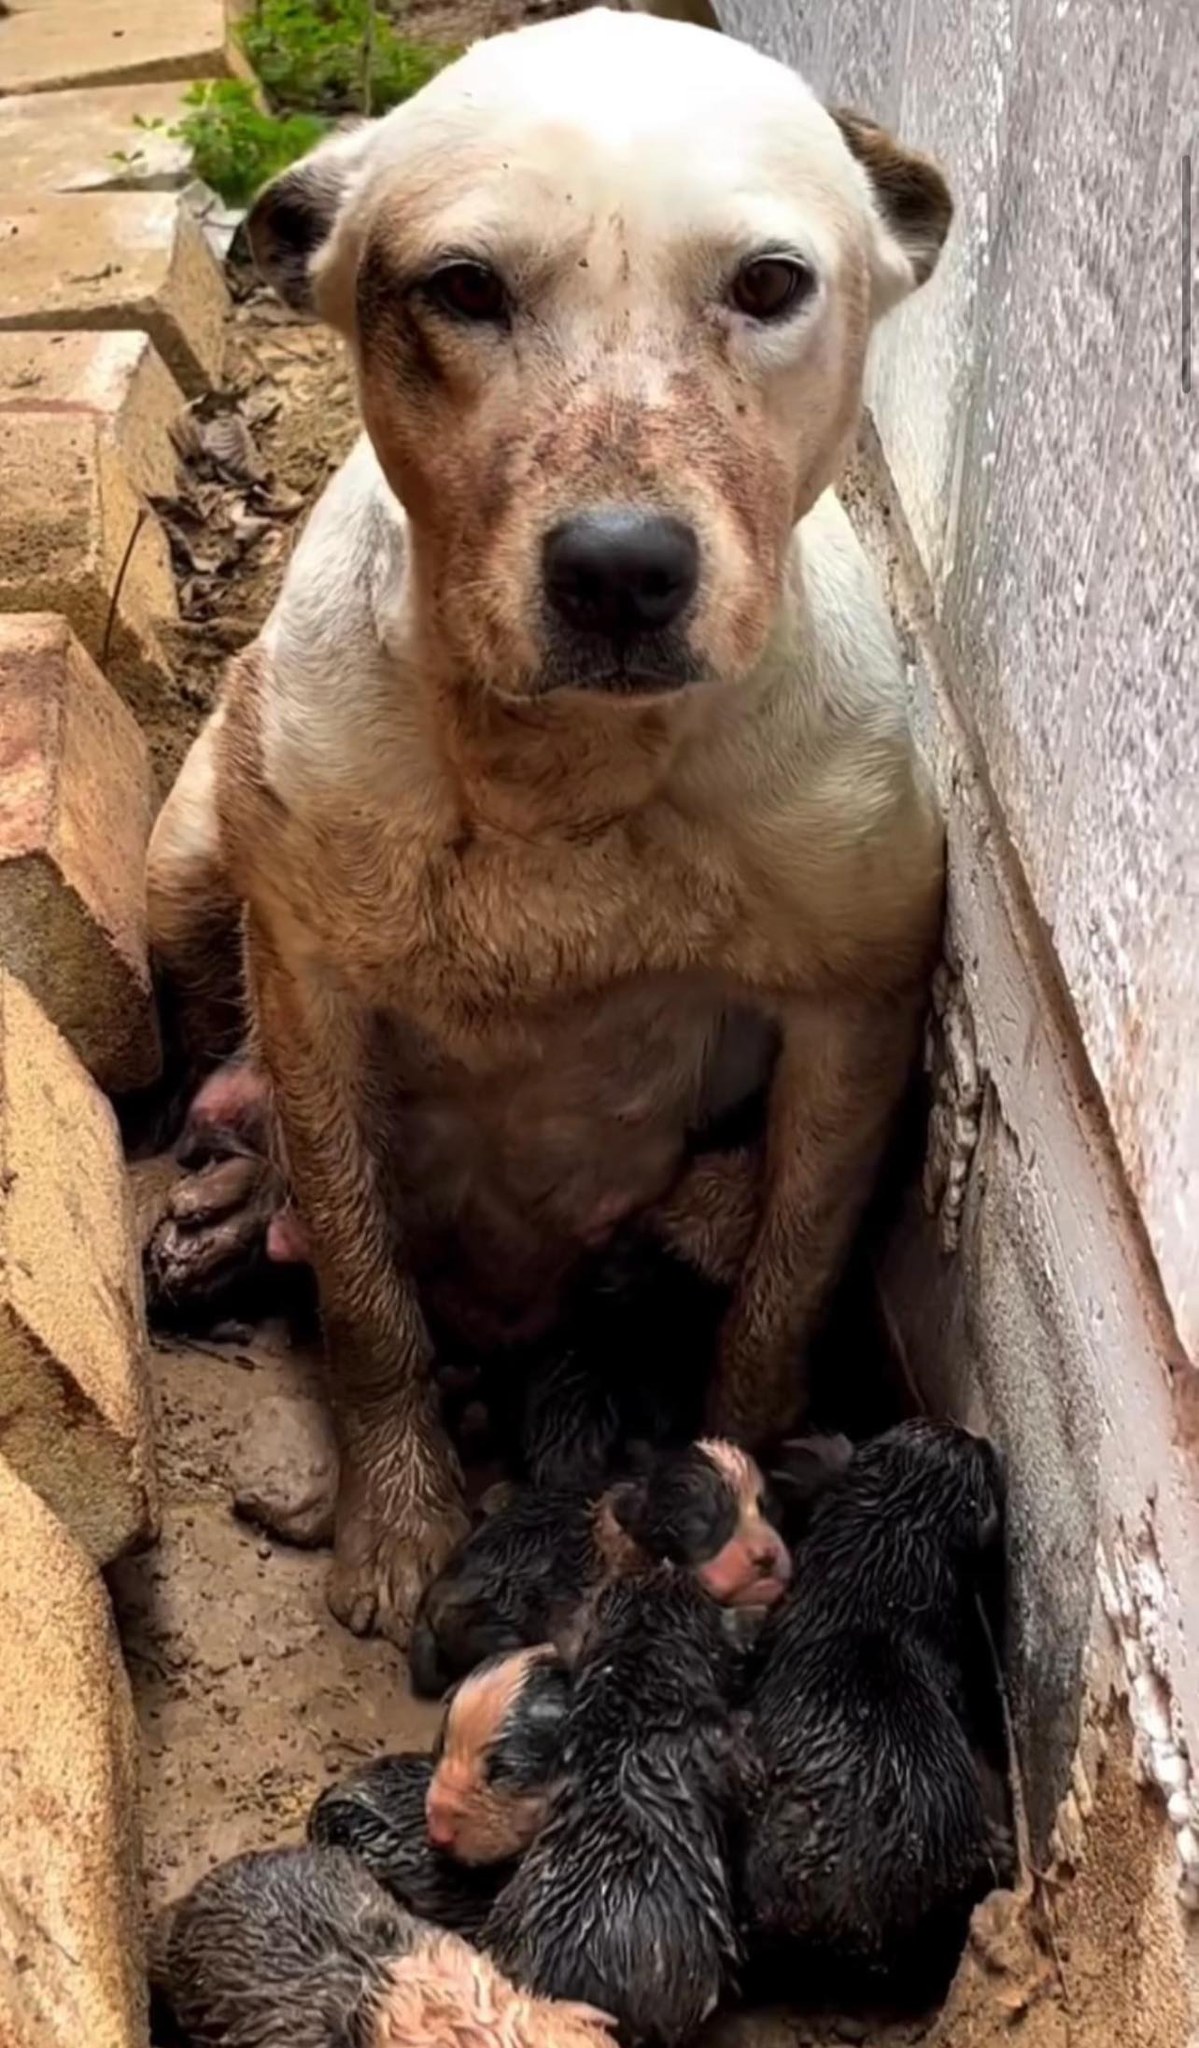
(678, 1763)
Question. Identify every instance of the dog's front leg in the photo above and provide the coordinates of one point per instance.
(399, 1507)
(839, 1078)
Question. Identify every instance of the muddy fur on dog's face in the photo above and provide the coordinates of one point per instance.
(378, 1814)
(869, 1841)
(624, 1899)
(609, 264)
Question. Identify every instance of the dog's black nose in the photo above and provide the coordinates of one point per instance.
(621, 572)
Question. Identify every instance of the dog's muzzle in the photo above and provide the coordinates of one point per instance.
(617, 583)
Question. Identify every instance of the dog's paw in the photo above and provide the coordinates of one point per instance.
(382, 1564)
(212, 1233)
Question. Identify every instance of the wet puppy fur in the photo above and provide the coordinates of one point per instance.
(442, 1833)
(624, 1900)
(301, 1948)
(378, 1815)
(498, 1757)
(869, 1840)
(519, 1577)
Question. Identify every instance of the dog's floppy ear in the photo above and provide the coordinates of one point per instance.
(913, 201)
(293, 217)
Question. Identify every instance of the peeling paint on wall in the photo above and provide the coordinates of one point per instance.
(1136, 1599)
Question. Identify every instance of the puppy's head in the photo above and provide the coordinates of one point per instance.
(498, 1757)
(925, 1485)
(707, 1509)
(609, 283)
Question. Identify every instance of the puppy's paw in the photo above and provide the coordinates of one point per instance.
(383, 1561)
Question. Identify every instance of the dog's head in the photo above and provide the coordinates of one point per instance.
(609, 284)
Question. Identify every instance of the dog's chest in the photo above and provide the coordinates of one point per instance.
(483, 932)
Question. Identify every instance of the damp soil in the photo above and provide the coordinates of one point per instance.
(250, 1697)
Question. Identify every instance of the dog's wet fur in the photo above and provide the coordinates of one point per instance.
(625, 1898)
(520, 1576)
(869, 1841)
(541, 880)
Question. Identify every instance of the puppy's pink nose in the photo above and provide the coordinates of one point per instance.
(439, 1822)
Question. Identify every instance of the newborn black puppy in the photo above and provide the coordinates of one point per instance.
(624, 1900)
(800, 1471)
(443, 1832)
(868, 1843)
(301, 1948)
(378, 1815)
(519, 1577)
(286, 1937)
(498, 1756)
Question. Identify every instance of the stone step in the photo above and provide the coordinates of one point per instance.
(91, 141)
(74, 1409)
(75, 814)
(76, 538)
(48, 44)
(71, 1951)
(84, 440)
(102, 260)
(119, 379)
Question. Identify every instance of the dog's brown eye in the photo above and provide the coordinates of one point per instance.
(771, 286)
(471, 290)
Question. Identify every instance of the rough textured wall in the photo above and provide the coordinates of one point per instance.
(1030, 490)
(1031, 412)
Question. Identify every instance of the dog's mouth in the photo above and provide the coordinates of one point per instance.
(660, 666)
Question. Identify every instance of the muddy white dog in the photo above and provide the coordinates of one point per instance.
(566, 801)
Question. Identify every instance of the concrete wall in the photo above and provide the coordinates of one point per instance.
(1031, 411)
(1031, 489)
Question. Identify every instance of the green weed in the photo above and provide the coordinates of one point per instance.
(335, 56)
(316, 59)
(235, 146)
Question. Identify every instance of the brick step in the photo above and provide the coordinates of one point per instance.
(84, 438)
(48, 44)
(115, 260)
(71, 1964)
(75, 814)
(91, 141)
(74, 1408)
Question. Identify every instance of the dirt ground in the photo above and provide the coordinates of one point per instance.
(250, 1697)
